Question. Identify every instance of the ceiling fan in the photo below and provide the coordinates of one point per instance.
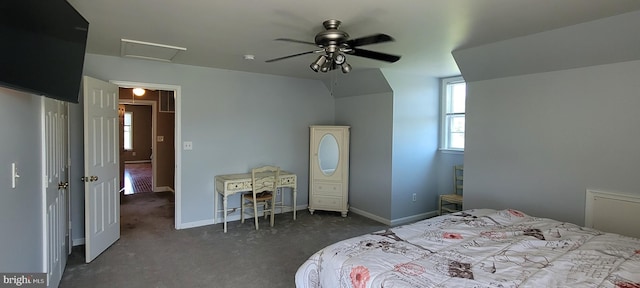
(334, 44)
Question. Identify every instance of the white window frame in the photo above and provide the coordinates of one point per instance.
(445, 143)
(130, 132)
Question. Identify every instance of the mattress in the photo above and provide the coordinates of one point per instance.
(478, 248)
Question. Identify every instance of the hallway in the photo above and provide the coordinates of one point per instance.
(137, 178)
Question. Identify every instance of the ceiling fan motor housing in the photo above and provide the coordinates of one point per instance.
(331, 36)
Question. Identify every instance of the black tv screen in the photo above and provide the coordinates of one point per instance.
(42, 47)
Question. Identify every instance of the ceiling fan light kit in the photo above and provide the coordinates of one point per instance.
(334, 44)
(319, 63)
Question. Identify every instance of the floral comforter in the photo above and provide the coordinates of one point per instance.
(478, 248)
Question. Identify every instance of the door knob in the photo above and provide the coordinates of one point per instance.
(89, 179)
(63, 185)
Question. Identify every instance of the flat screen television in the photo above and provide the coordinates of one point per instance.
(42, 47)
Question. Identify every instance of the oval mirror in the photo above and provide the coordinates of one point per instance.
(328, 154)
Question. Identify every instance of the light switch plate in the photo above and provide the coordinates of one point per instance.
(160, 138)
(14, 175)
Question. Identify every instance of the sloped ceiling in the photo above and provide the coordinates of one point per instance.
(603, 41)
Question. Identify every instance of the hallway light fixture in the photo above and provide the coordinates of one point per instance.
(138, 91)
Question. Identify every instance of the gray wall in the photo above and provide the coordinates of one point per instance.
(236, 120)
(142, 133)
(21, 208)
(364, 101)
(76, 170)
(394, 143)
(537, 142)
(446, 160)
(370, 118)
(415, 144)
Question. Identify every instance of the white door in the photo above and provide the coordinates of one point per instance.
(55, 169)
(101, 156)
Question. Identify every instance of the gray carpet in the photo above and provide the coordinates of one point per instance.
(151, 253)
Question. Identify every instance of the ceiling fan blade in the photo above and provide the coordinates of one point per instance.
(374, 55)
(295, 41)
(290, 56)
(367, 40)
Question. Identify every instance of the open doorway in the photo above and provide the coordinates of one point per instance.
(166, 114)
(147, 130)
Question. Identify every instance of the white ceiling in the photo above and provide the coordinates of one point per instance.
(217, 33)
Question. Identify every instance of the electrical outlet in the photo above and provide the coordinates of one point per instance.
(414, 197)
(187, 145)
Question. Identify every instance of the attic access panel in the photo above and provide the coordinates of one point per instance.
(148, 50)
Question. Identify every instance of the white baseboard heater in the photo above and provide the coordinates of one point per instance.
(613, 212)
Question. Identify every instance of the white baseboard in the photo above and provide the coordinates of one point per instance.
(78, 241)
(394, 222)
(413, 218)
(163, 189)
(236, 214)
(230, 218)
(370, 216)
(137, 161)
(301, 207)
(195, 224)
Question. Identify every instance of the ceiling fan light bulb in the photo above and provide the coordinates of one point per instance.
(326, 67)
(346, 68)
(316, 65)
(339, 58)
(321, 60)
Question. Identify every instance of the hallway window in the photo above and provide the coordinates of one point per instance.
(128, 130)
(453, 96)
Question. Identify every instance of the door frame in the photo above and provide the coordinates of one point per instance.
(178, 138)
(153, 132)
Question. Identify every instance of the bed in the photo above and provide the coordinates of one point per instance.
(478, 248)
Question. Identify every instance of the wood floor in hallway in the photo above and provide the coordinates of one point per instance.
(137, 178)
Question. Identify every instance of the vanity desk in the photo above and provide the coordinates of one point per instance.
(229, 184)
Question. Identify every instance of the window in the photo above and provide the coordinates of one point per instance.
(167, 101)
(453, 95)
(128, 130)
